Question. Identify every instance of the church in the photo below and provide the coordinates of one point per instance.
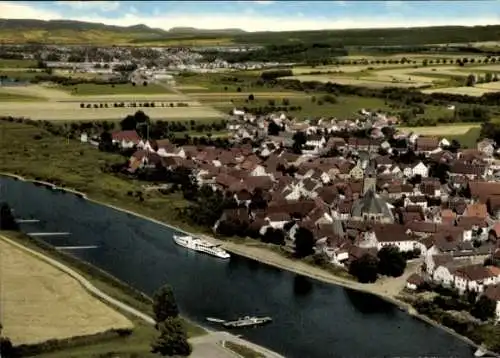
(371, 207)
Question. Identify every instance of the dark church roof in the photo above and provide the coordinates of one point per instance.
(371, 203)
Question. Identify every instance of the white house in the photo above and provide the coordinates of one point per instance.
(416, 200)
(402, 241)
(493, 293)
(325, 178)
(443, 275)
(420, 169)
(278, 220)
(433, 261)
(292, 192)
(476, 277)
(407, 172)
(146, 145)
(316, 141)
(487, 146)
(337, 255)
(258, 171)
(444, 143)
(177, 152)
(404, 245)
(414, 281)
(412, 138)
(126, 139)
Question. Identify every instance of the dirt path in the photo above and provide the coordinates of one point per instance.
(218, 338)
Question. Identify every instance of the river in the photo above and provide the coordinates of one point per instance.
(311, 319)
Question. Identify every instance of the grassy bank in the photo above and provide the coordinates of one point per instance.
(136, 344)
(242, 350)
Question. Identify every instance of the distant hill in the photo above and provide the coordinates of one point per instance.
(195, 31)
(77, 32)
(378, 37)
(72, 32)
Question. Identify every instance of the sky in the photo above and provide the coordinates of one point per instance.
(262, 15)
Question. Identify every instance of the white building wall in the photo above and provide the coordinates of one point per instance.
(443, 276)
(277, 224)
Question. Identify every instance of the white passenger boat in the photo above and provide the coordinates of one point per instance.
(201, 245)
(248, 321)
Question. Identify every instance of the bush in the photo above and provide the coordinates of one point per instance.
(484, 308)
(274, 74)
(328, 98)
(365, 268)
(392, 262)
(54, 344)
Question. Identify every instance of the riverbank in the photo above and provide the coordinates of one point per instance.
(386, 289)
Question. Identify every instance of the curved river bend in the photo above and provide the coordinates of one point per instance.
(311, 319)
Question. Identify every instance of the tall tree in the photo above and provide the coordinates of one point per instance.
(273, 128)
(6, 347)
(299, 139)
(164, 305)
(365, 268)
(106, 142)
(391, 261)
(484, 308)
(172, 340)
(257, 199)
(304, 242)
(7, 220)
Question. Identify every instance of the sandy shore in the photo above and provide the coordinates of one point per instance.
(385, 288)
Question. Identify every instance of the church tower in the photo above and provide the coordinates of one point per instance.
(370, 178)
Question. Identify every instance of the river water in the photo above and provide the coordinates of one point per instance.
(311, 319)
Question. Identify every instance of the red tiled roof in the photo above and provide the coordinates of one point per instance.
(129, 136)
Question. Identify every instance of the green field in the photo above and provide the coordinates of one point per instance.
(345, 107)
(12, 97)
(4, 63)
(220, 83)
(20, 75)
(91, 89)
(468, 139)
(466, 134)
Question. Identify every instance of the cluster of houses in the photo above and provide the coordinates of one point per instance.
(248, 126)
(359, 201)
